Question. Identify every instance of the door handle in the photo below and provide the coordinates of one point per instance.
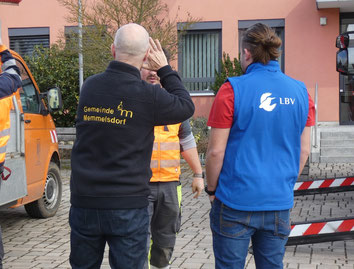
(27, 121)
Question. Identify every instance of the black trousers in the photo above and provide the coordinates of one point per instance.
(1, 250)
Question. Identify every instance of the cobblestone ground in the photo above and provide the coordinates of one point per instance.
(330, 170)
(45, 243)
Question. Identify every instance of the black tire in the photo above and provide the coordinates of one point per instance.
(48, 204)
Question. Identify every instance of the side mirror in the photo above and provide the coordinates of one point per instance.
(345, 55)
(342, 62)
(345, 61)
(54, 100)
(342, 41)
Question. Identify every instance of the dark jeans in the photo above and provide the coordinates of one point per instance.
(1, 249)
(125, 231)
(233, 229)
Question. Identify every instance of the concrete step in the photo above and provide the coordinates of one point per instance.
(336, 135)
(337, 142)
(337, 159)
(337, 151)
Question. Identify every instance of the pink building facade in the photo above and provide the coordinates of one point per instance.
(308, 29)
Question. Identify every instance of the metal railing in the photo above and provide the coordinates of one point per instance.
(316, 116)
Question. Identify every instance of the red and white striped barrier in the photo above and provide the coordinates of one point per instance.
(325, 183)
(322, 228)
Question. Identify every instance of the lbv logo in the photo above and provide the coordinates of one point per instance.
(267, 103)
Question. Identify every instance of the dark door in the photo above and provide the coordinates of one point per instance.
(346, 83)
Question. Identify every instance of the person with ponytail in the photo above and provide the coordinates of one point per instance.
(259, 142)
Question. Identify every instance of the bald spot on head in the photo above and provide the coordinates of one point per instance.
(131, 40)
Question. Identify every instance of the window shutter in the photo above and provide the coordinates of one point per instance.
(199, 58)
(25, 45)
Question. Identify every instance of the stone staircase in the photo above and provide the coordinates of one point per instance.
(337, 145)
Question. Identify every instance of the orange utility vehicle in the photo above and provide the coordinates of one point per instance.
(32, 151)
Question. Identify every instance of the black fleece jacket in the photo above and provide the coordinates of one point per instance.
(116, 116)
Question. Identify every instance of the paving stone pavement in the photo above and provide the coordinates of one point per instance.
(330, 170)
(45, 243)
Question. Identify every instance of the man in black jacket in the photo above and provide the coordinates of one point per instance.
(111, 156)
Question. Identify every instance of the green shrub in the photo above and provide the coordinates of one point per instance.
(201, 134)
(57, 67)
(228, 69)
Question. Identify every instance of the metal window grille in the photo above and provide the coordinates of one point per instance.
(199, 58)
(89, 33)
(25, 45)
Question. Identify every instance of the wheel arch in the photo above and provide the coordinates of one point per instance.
(55, 158)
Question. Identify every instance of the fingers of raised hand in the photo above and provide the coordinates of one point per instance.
(153, 46)
(158, 45)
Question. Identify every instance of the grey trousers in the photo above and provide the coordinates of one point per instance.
(165, 222)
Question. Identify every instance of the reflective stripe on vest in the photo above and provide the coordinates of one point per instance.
(169, 163)
(166, 146)
(154, 164)
(155, 146)
(169, 146)
(2, 153)
(165, 161)
(3, 149)
(4, 133)
(4, 137)
(5, 107)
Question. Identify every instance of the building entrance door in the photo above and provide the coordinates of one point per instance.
(346, 83)
(346, 102)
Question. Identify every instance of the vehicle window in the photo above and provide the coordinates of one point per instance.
(28, 92)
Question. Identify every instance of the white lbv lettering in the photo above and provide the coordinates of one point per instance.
(286, 101)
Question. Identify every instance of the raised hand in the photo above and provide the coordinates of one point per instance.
(156, 58)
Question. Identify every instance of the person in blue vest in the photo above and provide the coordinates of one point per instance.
(259, 142)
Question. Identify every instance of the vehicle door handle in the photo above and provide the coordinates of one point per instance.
(27, 121)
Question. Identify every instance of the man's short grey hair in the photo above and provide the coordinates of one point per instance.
(131, 39)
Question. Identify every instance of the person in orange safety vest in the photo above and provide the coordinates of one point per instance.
(10, 81)
(170, 142)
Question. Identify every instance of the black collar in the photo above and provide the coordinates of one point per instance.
(119, 67)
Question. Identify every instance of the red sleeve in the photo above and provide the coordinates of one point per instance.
(222, 111)
(312, 112)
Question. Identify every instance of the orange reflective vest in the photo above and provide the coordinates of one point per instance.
(9, 82)
(5, 107)
(165, 160)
